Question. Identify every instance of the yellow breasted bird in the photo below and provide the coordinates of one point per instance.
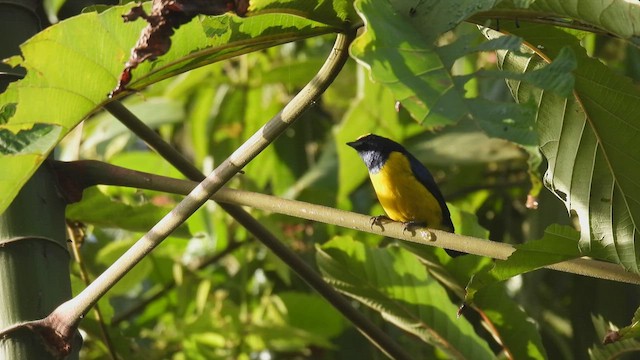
(405, 188)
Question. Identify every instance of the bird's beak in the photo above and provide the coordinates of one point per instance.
(355, 144)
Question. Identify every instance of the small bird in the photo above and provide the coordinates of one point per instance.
(405, 188)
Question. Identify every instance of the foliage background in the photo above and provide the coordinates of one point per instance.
(481, 149)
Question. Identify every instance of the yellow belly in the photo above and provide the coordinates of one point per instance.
(402, 196)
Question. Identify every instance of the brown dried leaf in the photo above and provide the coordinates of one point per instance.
(165, 17)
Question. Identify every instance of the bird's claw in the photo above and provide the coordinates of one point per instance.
(379, 220)
(412, 225)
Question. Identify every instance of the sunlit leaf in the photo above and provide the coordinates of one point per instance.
(400, 48)
(615, 17)
(339, 13)
(73, 65)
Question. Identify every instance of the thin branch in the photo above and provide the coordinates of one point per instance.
(76, 235)
(94, 172)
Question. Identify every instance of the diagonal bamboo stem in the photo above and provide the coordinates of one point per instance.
(77, 307)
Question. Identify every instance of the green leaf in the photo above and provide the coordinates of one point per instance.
(134, 278)
(338, 13)
(17, 167)
(400, 48)
(518, 334)
(98, 209)
(393, 282)
(51, 8)
(614, 350)
(154, 112)
(558, 244)
(145, 161)
(615, 17)
(37, 139)
(631, 331)
(72, 66)
(6, 112)
(589, 142)
(324, 321)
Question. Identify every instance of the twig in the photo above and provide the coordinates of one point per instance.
(75, 236)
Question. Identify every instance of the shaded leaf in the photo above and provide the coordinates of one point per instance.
(518, 333)
(98, 209)
(373, 111)
(614, 350)
(134, 278)
(558, 244)
(154, 112)
(393, 282)
(589, 142)
(324, 320)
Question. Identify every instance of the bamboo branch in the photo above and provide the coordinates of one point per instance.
(307, 97)
(60, 325)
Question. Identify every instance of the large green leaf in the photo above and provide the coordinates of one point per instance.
(401, 46)
(72, 66)
(617, 17)
(339, 13)
(393, 282)
(558, 244)
(589, 141)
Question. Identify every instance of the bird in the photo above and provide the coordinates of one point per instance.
(405, 188)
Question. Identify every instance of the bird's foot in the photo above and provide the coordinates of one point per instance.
(411, 226)
(380, 220)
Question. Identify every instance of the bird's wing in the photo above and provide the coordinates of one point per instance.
(424, 176)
